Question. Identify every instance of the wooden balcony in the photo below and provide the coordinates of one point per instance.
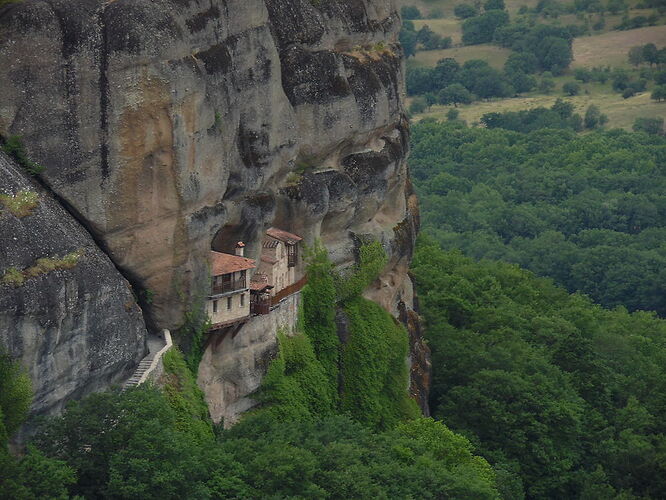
(229, 286)
(260, 306)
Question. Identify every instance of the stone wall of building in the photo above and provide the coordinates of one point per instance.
(234, 364)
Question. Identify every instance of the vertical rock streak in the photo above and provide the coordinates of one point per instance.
(103, 94)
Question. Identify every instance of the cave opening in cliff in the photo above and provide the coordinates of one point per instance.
(226, 239)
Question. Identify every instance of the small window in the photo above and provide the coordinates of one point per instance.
(228, 303)
(215, 306)
(242, 299)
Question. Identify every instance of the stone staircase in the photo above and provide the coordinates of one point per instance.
(157, 347)
(143, 367)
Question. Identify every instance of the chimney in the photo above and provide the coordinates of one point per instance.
(240, 249)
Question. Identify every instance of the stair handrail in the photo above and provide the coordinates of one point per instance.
(157, 357)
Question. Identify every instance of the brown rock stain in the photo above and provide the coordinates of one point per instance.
(147, 206)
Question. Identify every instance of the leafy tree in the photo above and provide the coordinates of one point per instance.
(649, 125)
(431, 40)
(659, 93)
(650, 54)
(32, 475)
(554, 54)
(430, 98)
(571, 88)
(662, 55)
(583, 75)
(635, 55)
(563, 108)
(319, 298)
(186, 398)
(560, 115)
(481, 79)
(408, 40)
(494, 5)
(339, 458)
(507, 192)
(418, 105)
(464, 11)
(452, 114)
(592, 117)
(522, 82)
(521, 62)
(489, 86)
(528, 371)
(454, 94)
(546, 85)
(410, 12)
(419, 81)
(628, 92)
(512, 36)
(660, 78)
(481, 29)
(638, 85)
(616, 6)
(621, 80)
(446, 72)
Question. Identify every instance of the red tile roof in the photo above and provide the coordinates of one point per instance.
(259, 282)
(225, 263)
(282, 235)
(260, 287)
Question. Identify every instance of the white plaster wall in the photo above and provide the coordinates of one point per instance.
(237, 311)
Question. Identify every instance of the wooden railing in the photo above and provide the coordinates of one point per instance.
(230, 286)
(286, 292)
(260, 307)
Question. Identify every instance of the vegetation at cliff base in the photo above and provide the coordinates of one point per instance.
(185, 397)
(588, 211)
(32, 475)
(365, 375)
(563, 397)
(334, 420)
(129, 445)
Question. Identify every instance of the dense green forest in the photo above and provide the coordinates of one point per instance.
(335, 421)
(589, 210)
(564, 397)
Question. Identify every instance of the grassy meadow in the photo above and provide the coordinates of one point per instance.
(610, 49)
(603, 48)
(621, 112)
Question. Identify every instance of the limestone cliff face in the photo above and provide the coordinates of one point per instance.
(75, 328)
(172, 125)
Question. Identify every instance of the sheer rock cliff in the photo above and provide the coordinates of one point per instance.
(70, 317)
(171, 126)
